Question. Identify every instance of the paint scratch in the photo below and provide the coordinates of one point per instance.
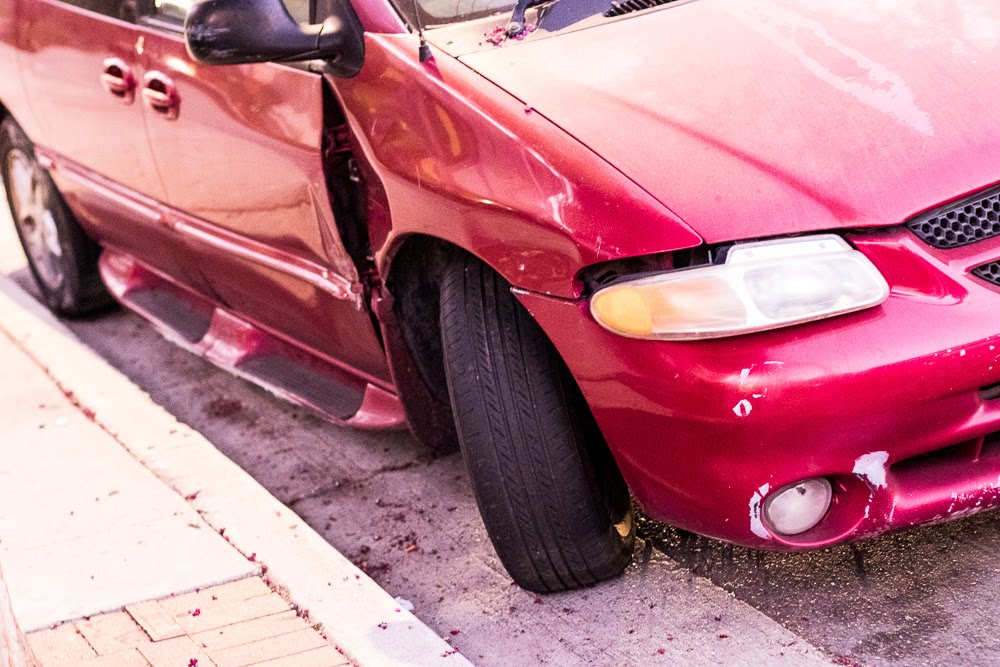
(871, 467)
(756, 521)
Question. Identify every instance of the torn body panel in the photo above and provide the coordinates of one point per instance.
(462, 163)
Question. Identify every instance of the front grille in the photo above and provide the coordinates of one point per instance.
(988, 272)
(960, 223)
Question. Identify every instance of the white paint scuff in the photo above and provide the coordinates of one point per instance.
(756, 521)
(871, 467)
(743, 408)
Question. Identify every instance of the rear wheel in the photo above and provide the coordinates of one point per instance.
(554, 503)
(61, 257)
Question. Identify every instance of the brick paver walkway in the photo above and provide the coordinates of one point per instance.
(234, 625)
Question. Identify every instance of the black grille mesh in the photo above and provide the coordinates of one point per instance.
(964, 222)
(988, 272)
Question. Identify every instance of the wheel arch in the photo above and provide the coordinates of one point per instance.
(411, 273)
(409, 315)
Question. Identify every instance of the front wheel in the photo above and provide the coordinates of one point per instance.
(554, 503)
(61, 257)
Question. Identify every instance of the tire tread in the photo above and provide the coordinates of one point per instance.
(526, 439)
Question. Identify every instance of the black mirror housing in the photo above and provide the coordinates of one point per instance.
(238, 32)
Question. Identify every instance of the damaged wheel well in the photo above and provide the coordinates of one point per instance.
(346, 184)
(405, 302)
(416, 352)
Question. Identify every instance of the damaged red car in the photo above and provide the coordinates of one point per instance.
(737, 263)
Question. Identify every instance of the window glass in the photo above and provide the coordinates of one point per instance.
(172, 10)
(176, 10)
(125, 10)
(299, 9)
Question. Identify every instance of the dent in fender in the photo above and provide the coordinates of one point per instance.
(460, 160)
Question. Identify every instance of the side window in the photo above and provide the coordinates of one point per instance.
(176, 10)
(172, 10)
(299, 9)
(124, 10)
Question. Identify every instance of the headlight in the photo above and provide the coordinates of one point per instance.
(761, 286)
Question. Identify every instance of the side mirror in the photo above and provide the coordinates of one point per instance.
(237, 32)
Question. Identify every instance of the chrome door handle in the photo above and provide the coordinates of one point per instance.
(160, 94)
(118, 79)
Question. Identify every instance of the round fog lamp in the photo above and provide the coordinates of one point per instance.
(797, 508)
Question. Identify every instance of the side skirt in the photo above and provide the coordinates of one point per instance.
(247, 350)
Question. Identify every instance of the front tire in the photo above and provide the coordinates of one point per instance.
(62, 259)
(554, 503)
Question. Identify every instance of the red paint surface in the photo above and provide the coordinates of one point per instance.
(705, 121)
(752, 119)
(461, 161)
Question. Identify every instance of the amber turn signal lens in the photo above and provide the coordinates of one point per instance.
(627, 309)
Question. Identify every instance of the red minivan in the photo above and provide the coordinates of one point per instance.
(737, 263)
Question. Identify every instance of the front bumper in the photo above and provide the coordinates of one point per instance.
(887, 403)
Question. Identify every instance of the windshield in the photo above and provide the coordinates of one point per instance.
(485, 17)
(435, 13)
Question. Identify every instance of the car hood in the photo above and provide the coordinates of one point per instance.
(766, 117)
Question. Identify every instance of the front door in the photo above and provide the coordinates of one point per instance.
(240, 152)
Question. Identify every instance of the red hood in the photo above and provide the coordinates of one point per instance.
(762, 117)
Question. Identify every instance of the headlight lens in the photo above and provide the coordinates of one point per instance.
(761, 286)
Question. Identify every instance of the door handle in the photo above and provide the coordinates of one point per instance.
(118, 79)
(160, 94)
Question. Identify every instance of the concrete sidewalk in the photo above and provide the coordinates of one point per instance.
(84, 527)
(87, 529)
(128, 539)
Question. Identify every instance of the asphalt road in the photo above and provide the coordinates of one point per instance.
(923, 597)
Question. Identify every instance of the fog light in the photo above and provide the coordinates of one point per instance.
(797, 508)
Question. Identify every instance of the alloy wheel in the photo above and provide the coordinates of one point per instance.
(34, 218)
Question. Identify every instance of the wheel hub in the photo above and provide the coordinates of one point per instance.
(37, 224)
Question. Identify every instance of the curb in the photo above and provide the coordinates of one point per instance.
(357, 615)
